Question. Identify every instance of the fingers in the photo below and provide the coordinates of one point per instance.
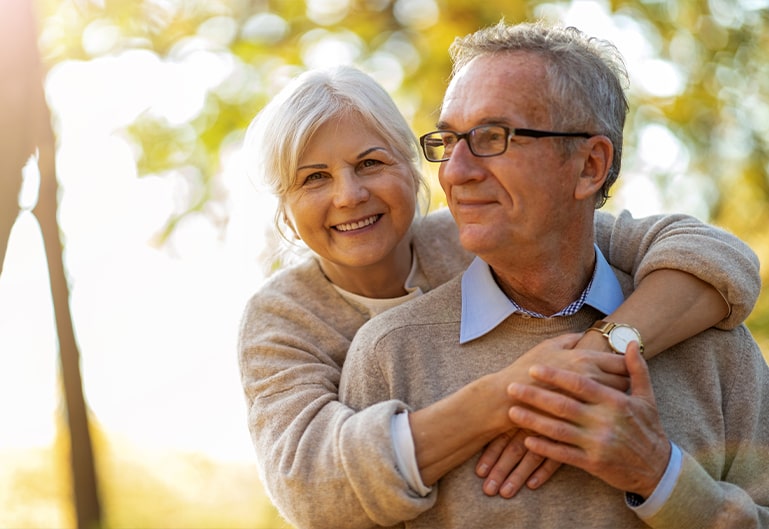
(520, 474)
(513, 466)
(611, 363)
(492, 453)
(564, 453)
(583, 388)
(543, 473)
(618, 382)
(546, 412)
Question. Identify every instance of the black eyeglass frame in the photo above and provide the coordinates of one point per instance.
(509, 133)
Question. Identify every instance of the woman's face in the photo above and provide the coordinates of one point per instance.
(354, 197)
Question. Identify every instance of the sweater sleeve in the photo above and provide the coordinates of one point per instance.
(313, 452)
(739, 496)
(680, 242)
(364, 384)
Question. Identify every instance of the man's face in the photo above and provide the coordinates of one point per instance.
(519, 201)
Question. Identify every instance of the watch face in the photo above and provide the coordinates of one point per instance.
(621, 336)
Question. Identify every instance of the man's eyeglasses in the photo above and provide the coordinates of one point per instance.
(483, 140)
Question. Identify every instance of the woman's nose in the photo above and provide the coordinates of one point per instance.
(349, 191)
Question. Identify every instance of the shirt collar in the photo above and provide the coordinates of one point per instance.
(485, 305)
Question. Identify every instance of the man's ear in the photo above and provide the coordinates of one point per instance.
(597, 162)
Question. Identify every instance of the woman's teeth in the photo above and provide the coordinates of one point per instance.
(357, 225)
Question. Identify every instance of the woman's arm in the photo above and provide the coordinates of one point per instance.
(680, 242)
(311, 450)
(684, 306)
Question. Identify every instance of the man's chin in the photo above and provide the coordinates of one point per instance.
(476, 238)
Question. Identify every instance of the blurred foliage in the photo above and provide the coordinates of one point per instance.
(716, 50)
(719, 49)
(141, 489)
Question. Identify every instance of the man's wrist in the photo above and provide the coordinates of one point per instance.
(645, 508)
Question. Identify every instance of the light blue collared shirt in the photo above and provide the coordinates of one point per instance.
(485, 305)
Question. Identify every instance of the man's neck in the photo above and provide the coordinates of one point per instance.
(548, 283)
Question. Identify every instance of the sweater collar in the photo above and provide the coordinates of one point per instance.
(485, 305)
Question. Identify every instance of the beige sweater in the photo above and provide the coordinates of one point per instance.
(712, 391)
(316, 458)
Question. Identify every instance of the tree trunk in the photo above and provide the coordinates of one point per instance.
(26, 125)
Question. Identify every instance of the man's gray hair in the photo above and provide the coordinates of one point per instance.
(587, 77)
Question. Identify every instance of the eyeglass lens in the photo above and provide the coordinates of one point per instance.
(486, 140)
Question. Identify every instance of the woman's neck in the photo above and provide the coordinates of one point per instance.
(384, 279)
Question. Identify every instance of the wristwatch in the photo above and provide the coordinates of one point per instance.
(619, 335)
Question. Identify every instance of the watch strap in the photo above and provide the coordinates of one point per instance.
(605, 327)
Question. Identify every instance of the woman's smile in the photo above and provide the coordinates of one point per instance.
(357, 224)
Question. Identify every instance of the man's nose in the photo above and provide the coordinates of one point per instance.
(462, 167)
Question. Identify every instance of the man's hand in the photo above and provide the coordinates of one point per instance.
(615, 436)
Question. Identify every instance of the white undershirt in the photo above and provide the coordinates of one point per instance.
(377, 306)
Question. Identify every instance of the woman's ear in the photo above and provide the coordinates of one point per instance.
(597, 162)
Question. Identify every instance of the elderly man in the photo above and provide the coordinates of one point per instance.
(529, 141)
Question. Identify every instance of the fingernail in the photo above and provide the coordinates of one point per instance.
(492, 487)
(533, 483)
(507, 490)
(483, 469)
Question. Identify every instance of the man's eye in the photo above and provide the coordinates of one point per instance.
(449, 140)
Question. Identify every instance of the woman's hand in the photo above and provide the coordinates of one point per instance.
(507, 465)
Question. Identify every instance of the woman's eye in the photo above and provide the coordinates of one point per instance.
(369, 162)
(313, 177)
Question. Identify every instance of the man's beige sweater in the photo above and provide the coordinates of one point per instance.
(317, 459)
(712, 391)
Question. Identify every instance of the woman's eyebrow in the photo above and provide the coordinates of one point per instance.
(369, 151)
(312, 166)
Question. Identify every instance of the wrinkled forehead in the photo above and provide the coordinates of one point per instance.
(505, 87)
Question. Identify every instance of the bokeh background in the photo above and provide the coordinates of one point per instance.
(164, 237)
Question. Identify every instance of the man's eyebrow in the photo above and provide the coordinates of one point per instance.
(443, 125)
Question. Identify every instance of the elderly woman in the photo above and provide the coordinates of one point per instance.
(345, 167)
